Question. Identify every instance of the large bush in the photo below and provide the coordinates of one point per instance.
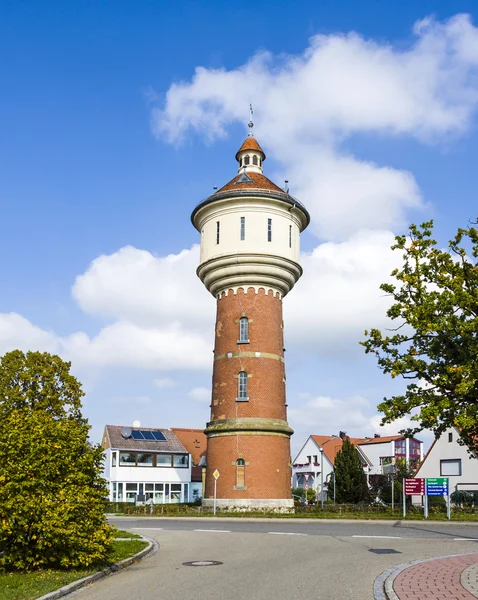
(51, 490)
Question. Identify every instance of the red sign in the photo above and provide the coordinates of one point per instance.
(306, 476)
(415, 487)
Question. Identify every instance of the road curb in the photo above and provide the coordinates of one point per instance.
(383, 585)
(151, 549)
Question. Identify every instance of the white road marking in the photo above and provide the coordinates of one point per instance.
(465, 539)
(284, 533)
(379, 537)
(214, 530)
(148, 528)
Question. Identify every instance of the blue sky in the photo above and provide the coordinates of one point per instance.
(109, 137)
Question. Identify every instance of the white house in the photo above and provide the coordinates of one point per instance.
(144, 465)
(314, 464)
(195, 442)
(447, 458)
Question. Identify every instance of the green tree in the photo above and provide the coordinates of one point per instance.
(350, 481)
(51, 490)
(434, 346)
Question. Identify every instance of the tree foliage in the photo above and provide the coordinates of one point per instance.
(51, 490)
(434, 346)
(350, 481)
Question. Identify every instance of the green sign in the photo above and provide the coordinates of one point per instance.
(443, 481)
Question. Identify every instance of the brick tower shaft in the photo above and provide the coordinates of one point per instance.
(248, 412)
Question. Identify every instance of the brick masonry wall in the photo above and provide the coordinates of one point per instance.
(267, 456)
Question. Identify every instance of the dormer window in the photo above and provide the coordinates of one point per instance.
(247, 160)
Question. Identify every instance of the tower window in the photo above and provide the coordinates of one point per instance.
(217, 232)
(450, 437)
(242, 387)
(243, 228)
(247, 160)
(254, 160)
(260, 161)
(240, 162)
(240, 473)
(243, 329)
(269, 230)
(290, 236)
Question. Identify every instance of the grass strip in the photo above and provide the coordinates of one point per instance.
(28, 586)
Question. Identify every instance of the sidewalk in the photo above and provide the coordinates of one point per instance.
(446, 578)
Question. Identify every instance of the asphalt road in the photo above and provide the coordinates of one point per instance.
(273, 559)
(387, 529)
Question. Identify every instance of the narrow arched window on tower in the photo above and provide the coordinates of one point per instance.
(217, 232)
(269, 230)
(244, 329)
(290, 236)
(247, 160)
(242, 387)
(240, 473)
(243, 228)
(254, 160)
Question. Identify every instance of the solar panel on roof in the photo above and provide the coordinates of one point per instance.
(137, 435)
(148, 435)
(158, 436)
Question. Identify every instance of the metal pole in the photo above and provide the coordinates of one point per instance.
(393, 494)
(215, 484)
(322, 479)
(426, 504)
(448, 511)
(334, 486)
(404, 499)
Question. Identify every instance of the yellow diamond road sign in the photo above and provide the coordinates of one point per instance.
(216, 474)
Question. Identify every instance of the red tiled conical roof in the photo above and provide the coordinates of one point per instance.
(250, 143)
(258, 182)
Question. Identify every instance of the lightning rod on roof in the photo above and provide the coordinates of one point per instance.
(251, 124)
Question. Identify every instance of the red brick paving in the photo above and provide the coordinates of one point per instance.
(435, 579)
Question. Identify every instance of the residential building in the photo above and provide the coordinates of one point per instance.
(249, 260)
(314, 463)
(195, 442)
(447, 458)
(146, 465)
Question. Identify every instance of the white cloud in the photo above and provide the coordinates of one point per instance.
(200, 394)
(340, 85)
(135, 286)
(338, 296)
(16, 332)
(164, 382)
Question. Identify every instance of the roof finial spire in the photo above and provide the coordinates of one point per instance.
(251, 124)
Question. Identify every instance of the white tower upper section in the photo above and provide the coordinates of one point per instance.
(250, 230)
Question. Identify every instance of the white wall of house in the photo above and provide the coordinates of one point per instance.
(446, 458)
(162, 485)
(308, 463)
(374, 452)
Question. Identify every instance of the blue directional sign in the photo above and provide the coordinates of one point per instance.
(437, 486)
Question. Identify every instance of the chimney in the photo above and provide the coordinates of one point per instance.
(342, 435)
(376, 435)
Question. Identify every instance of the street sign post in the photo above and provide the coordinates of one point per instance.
(438, 486)
(216, 476)
(412, 487)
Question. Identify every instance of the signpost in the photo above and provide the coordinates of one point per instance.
(216, 476)
(431, 486)
(438, 486)
(412, 487)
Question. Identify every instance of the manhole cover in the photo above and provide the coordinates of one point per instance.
(202, 563)
(384, 551)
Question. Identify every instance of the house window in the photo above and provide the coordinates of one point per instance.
(269, 230)
(309, 459)
(113, 459)
(247, 160)
(180, 460)
(254, 160)
(400, 448)
(127, 459)
(242, 386)
(290, 236)
(217, 232)
(145, 460)
(244, 329)
(163, 460)
(240, 473)
(450, 467)
(450, 437)
(243, 228)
